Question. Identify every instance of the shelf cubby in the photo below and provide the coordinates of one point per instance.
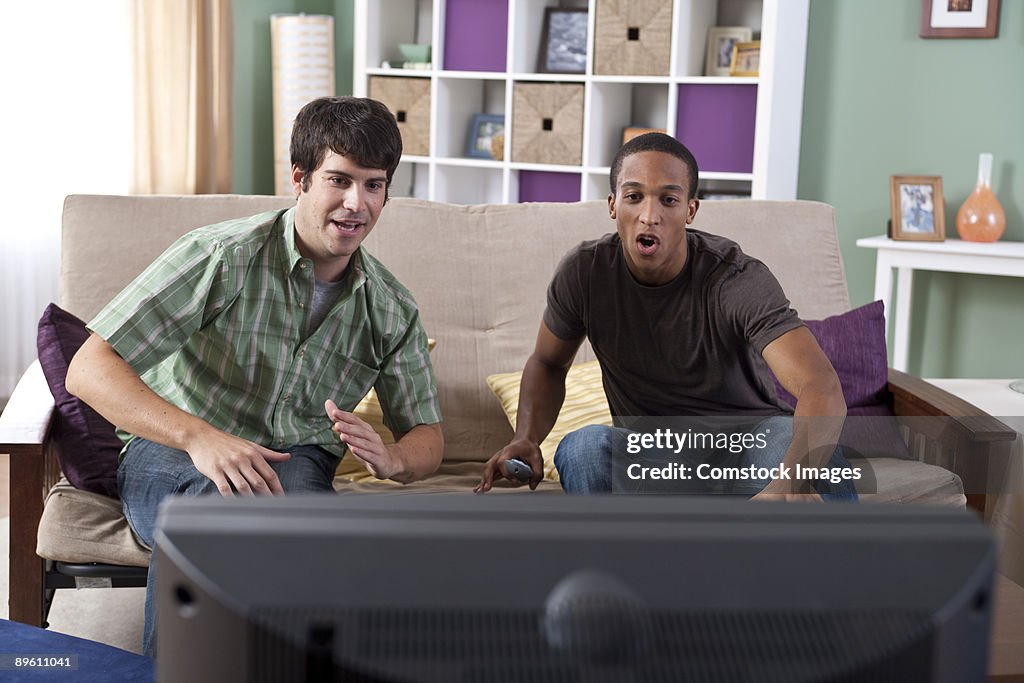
(470, 184)
(458, 99)
(615, 106)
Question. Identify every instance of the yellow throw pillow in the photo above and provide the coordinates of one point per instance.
(369, 410)
(585, 404)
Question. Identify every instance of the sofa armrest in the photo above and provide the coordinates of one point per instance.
(24, 430)
(27, 415)
(963, 443)
(915, 396)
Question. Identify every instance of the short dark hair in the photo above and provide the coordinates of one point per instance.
(359, 128)
(656, 142)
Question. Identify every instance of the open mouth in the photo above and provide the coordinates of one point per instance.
(647, 244)
(347, 227)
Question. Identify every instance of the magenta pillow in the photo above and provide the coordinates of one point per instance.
(854, 343)
(87, 447)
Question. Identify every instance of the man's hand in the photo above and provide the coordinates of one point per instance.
(364, 443)
(236, 465)
(777, 490)
(524, 450)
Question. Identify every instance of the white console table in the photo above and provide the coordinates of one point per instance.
(951, 256)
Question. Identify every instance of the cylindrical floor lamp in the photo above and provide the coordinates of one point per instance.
(302, 54)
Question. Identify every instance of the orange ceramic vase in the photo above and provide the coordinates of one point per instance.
(981, 218)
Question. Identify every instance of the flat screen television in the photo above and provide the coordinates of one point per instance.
(560, 588)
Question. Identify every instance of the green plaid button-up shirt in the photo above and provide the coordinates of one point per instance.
(217, 327)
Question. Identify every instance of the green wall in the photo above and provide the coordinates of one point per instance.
(253, 113)
(879, 101)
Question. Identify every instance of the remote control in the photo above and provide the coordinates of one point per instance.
(518, 469)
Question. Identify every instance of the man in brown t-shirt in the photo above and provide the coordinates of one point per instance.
(683, 323)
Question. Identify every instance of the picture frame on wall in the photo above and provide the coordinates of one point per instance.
(959, 18)
(483, 130)
(746, 59)
(563, 42)
(721, 40)
(918, 208)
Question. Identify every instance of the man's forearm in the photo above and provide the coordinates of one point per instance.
(817, 424)
(541, 393)
(418, 453)
(101, 378)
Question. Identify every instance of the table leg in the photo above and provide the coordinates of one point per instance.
(883, 287)
(901, 340)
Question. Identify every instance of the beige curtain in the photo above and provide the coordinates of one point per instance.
(182, 96)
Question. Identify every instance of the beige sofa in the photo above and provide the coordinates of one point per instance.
(479, 274)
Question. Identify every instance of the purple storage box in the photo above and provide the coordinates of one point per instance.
(716, 122)
(475, 35)
(549, 186)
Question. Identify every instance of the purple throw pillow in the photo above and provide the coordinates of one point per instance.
(87, 447)
(854, 343)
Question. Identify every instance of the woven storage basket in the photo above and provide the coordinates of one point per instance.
(547, 123)
(633, 37)
(409, 100)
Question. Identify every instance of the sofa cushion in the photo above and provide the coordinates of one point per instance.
(78, 526)
(892, 480)
(87, 447)
(585, 404)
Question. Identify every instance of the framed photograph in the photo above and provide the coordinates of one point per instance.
(630, 132)
(959, 18)
(482, 132)
(563, 42)
(918, 208)
(746, 59)
(721, 40)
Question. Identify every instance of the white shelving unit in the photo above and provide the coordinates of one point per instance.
(610, 102)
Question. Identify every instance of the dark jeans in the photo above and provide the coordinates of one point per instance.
(149, 472)
(585, 460)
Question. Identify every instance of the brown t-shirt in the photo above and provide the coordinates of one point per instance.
(689, 347)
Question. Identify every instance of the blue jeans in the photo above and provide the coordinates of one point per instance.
(593, 460)
(149, 472)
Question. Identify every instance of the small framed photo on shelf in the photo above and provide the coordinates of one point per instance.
(563, 42)
(721, 40)
(918, 208)
(746, 59)
(630, 132)
(959, 18)
(484, 131)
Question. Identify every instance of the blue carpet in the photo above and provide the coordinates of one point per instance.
(95, 661)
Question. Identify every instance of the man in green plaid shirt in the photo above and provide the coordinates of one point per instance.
(232, 363)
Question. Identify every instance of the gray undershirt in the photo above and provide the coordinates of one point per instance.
(325, 295)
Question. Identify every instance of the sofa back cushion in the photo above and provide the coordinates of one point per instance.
(107, 240)
(478, 273)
